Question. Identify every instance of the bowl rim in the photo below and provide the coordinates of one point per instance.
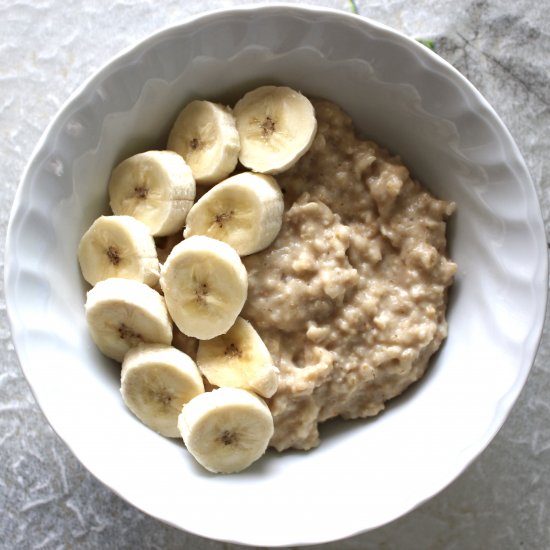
(113, 64)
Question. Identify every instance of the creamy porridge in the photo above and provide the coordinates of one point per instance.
(350, 299)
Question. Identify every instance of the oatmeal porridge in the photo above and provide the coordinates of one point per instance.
(350, 299)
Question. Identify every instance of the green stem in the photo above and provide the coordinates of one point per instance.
(427, 42)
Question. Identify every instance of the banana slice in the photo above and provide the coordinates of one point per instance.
(205, 135)
(245, 211)
(156, 187)
(205, 285)
(156, 381)
(276, 126)
(122, 314)
(239, 359)
(227, 429)
(118, 246)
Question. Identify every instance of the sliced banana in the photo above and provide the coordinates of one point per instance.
(118, 246)
(276, 126)
(227, 429)
(156, 187)
(205, 285)
(245, 211)
(156, 381)
(239, 359)
(205, 135)
(122, 313)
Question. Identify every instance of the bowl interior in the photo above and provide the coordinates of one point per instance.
(402, 96)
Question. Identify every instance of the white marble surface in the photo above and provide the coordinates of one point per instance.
(47, 499)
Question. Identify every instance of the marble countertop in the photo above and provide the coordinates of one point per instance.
(47, 499)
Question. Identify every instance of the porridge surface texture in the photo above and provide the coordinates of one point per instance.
(350, 299)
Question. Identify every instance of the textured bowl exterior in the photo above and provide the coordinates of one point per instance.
(365, 473)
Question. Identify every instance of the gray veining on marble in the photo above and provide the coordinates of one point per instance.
(47, 499)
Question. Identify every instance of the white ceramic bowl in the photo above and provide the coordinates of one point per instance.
(365, 473)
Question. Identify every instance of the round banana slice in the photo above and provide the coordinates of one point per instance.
(239, 359)
(118, 246)
(156, 381)
(156, 187)
(205, 285)
(245, 211)
(205, 135)
(276, 126)
(226, 430)
(122, 314)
